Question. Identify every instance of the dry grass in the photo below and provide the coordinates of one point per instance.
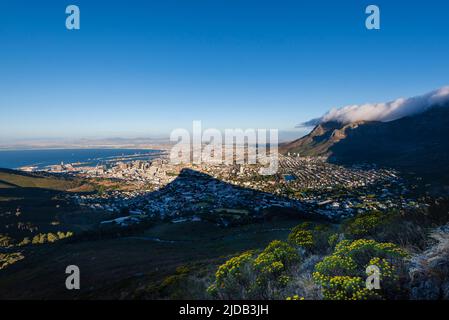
(429, 270)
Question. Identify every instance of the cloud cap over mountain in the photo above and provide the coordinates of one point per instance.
(384, 112)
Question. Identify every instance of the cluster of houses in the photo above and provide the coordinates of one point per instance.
(316, 173)
(182, 192)
(190, 195)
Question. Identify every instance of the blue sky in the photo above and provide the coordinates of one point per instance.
(143, 68)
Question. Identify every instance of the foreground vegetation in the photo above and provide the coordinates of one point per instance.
(280, 257)
(304, 267)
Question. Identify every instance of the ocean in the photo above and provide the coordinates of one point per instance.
(14, 159)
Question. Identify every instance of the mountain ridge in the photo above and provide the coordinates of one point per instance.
(417, 143)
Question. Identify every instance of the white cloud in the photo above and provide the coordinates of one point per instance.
(388, 111)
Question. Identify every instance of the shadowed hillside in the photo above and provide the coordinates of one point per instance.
(12, 178)
(124, 262)
(418, 144)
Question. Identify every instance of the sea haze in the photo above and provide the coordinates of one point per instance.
(13, 159)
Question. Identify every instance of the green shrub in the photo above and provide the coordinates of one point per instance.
(6, 241)
(312, 238)
(182, 270)
(301, 238)
(248, 276)
(364, 224)
(25, 241)
(39, 239)
(52, 237)
(342, 274)
(42, 238)
(333, 239)
(233, 279)
(276, 258)
(407, 228)
(7, 259)
(233, 268)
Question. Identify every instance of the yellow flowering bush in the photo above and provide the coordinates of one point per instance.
(302, 238)
(6, 241)
(276, 258)
(233, 268)
(342, 275)
(344, 288)
(234, 278)
(365, 224)
(333, 239)
(7, 259)
(256, 277)
(50, 237)
(311, 237)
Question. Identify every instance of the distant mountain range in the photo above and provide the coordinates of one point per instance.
(418, 143)
(160, 143)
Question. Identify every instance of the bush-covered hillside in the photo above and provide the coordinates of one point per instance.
(409, 248)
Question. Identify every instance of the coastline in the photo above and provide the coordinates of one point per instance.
(21, 159)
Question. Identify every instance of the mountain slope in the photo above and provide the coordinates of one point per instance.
(18, 179)
(418, 143)
(319, 141)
